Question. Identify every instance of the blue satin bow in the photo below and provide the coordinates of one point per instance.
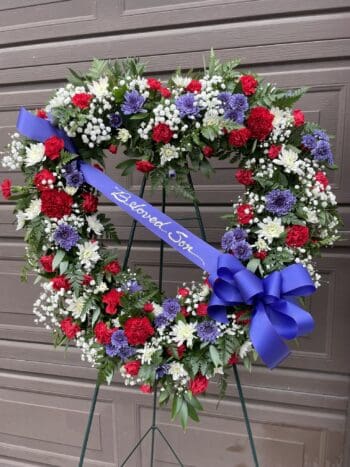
(275, 313)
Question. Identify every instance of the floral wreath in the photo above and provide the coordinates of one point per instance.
(119, 319)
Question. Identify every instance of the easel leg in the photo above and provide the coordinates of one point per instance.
(89, 423)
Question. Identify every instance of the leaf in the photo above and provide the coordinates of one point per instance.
(253, 264)
(164, 397)
(192, 413)
(176, 406)
(63, 266)
(140, 116)
(214, 355)
(95, 317)
(184, 415)
(58, 258)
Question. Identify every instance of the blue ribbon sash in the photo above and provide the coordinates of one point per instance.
(275, 314)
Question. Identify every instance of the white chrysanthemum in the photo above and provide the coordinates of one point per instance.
(183, 332)
(33, 210)
(212, 118)
(35, 153)
(281, 116)
(245, 349)
(204, 292)
(177, 371)
(21, 217)
(56, 101)
(88, 253)
(261, 245)
(147, 353)
(95, 224)
(99, 88)
(71, 190)
(76, 306)
(123, 135)
(270, 228)
(289, 160)
(168, 152)
(311, 216)
(157, 309)
(181, 81)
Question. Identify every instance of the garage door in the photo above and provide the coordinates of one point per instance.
(299, 412)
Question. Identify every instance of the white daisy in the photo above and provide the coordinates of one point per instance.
(76, 306)
(35, 153)
(289, 160)
(33, 210)
(88, 254)
(177, 371)
(123, 135)
(270, 228)
(183, 332)
(168, 152)
(95, 224)
(261, 245)
(181, 81)
(245, 349)
(99, 88)
(147, 353)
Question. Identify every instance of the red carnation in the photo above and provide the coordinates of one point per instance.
(87, 278)
(183, 291)
(132, 368)
(249, 84)
(82, 100)
(144, 166)
(148, 307)
(299, 117)
(181, 351)
(184, 312)
(113, 267)
(234, 359)
(154, 84)
(194, 86)
(245, 177)
(53, 147)
(165, 92)
(41, 113)
(208, 151)
(260, 122)
(297, 235)
(60, 282)
(260, 254)
(138, 330)
(239, 315)
(69, 328)
(42, 179)
(322, 179)
(103, 333)
(146, 388)
(239, 138)
(162, 133)
(89, 203)
(199, 384)
(112, 148)
(202, 309)
(55, 203)
(46, 262)
(274, 151)
(6, 188)
(245, 213)
(112, 300)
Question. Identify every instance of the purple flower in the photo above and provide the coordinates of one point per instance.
(242, 250)
(115, 120)
(111, 350)
(309, 141)
(66, 236)
(280, 202)
(123, 352)
(320, 134)
(171, 308)
(234, 115)
(161, 321)
(187, 105)
(225, 98)
(231, 237)
(74, 179)
(162, 370)
(323, 152)
(71, 167)
(208, 331)
(234, 106)
(133, 102)
(132, 287)
(239, 102)
(119, 339)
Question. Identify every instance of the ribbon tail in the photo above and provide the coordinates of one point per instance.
(304, 321)
(269, 345)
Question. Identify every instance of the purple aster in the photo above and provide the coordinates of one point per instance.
(242, 250)
(71, 167)
(309, 141)
(111, 350)
(187, 105)
(161, 321)
(234, 115)
(239, 102)
(320, 134)
(125, 352)
(119, 339)
(231, 237)
(133, 102)
(74, 179)
(171, 308)
(132, 287)
(115, 120)
(162, 370)
(225, 98)
(66, 236)
(280, 202)
(323, 152)
(208, 331)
